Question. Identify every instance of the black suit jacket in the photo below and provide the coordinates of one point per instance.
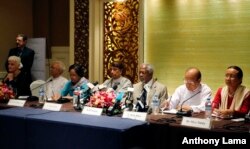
(20, 84)
(27, 58)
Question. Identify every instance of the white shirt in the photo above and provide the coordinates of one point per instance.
(54, 87)
(195, 99)
(148, 87)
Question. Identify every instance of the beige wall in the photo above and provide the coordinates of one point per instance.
(36, 18)
(177, 34)
(16, 17)
(210, 35)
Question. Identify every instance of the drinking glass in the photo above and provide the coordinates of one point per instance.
(162, 108)
(216, 114)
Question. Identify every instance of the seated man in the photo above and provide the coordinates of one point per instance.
(117, 81)
(56, 82)
(192, 95)
(147, 87)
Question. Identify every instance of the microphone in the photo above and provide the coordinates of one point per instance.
(42, 84)
(115, 85)
(92, 85)
(181, 113)
(116, 108)
(247, 117)
(128, 100)
(87, 91)
(35, 98)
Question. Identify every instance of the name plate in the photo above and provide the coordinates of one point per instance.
(23, 97)
(141, 116)
(196, 122)
(52, 106)
(16, 102)
(92, 111)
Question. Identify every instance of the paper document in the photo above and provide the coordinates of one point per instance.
(172, 111)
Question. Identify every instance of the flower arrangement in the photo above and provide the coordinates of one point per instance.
(102, 99)
(108, 100)
(6, 93)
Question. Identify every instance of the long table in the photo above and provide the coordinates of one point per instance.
(168, 132)
(37, 128)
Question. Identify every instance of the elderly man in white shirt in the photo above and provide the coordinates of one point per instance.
(56, 82)
(192, 95)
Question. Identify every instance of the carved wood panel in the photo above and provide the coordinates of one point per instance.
(121, 35)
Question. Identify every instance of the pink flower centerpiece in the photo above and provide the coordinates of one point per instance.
(102, 99)
(6, 93)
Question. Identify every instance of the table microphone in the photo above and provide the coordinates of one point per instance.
(115, 86)
(186, 113)
(247, 117)
(140, 105)
(88, 91)
(42, 84)
(129, 99)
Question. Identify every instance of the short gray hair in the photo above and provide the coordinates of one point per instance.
(149, 68)
(17, 60)
(61, 65)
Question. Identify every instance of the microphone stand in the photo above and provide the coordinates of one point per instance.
(34, 98)
(129, 102)
(247, 117)
(41, 85)
(181, 113)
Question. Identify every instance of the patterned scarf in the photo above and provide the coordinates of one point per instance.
(239, 96)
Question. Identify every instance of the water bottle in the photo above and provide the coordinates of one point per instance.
(155, 104)
(41, 95)
(76, 96)
(208, 105)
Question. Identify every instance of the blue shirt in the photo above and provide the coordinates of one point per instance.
(69, 87)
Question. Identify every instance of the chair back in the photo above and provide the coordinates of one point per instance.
(35, 87)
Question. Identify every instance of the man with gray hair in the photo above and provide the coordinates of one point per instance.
(148, 87)
(56, 81)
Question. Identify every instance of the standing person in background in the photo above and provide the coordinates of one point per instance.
(26, 55)
(77, 79)
(234, 98)
(148, 86)
(16, 78)
(192, 95)
(56, 81)
(117, 81)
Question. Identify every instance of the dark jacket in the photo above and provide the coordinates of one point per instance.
(27, 58)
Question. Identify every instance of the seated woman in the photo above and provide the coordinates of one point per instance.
(117, 81)
(232, 99)
(77, 79)
(18, 80)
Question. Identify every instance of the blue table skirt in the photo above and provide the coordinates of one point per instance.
(37, 128)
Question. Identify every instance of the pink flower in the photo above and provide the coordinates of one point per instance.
(102, 99)
(6, 92)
